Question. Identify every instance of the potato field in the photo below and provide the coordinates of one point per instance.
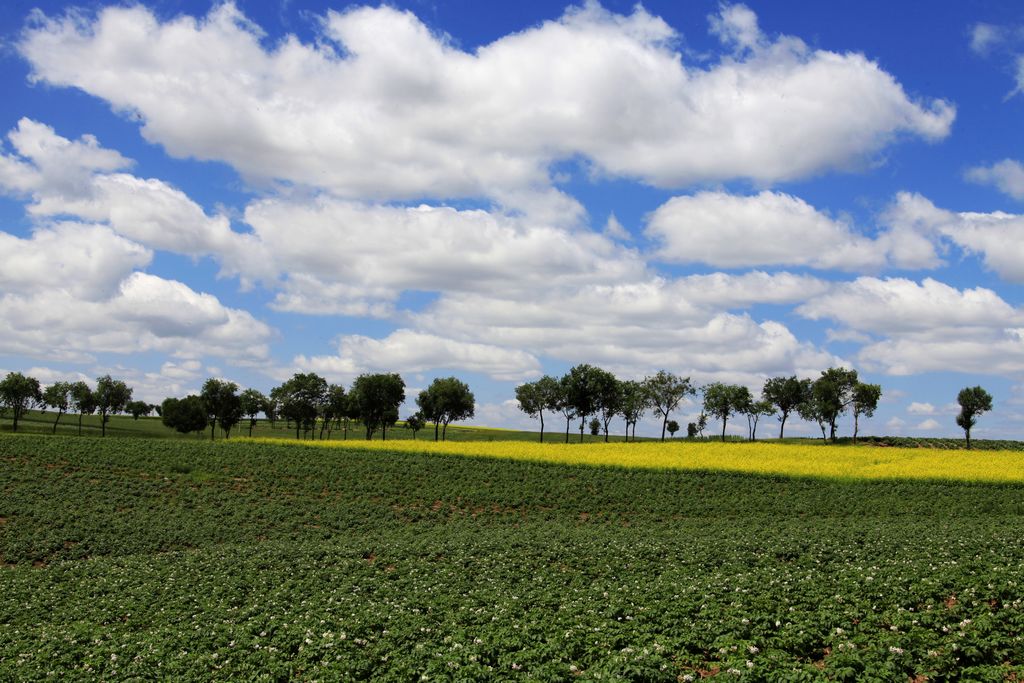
(247, 560)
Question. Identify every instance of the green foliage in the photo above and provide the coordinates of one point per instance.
(722, 400)
(973, 402)
(111, 396)
(57, 396)
(672, 427)
(865, 402)
(787, 394)
(595, 426)
(664, 393)
(138, 408)
(375, 400)
(832, 394)
(415, 423)
(634, 403)
(252, 402)
(184, 415)
(19, 393)
(298, 400)
(191, 560)
(223, 405)
(446, 400)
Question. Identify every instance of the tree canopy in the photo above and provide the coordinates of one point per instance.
(446, 400)
(973, 402)
(112, 395)
(376, 398)
(19, 393)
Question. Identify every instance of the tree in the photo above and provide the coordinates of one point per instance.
(664, 393)
(184, 415)
(595, 426)
(376, 397)
(414, 422)
(833, 394)
(810, 409)
(672, 427)
(333, 408)
(581, 390)
(536, 397)
(446, 400)
(608, 391)
(754, 410)
(299, 399)
(722, 400)
(633, 404)
(691, 430)
(252, 403)
(786, 394)
(58, 396)
(138, 408)
(19, 393)
(223, 405)
(561, 403)
(865, 401)
(84, 401)
(112, 395)
(973, 402)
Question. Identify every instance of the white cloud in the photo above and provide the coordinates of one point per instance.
(1007, 175)
(985, 36)
(379, 107)
(614, 229)
(895, 424)
(408, 351)
(928, 425)
(916, 408)
(776, 229)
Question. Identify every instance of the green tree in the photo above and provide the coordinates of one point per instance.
(608, 391)
(811, 410)
(112, 395)
(252, 402)
(84, 401)
(722, 400)
(333, 408)
(414, 423)
(672, 427)
(138, 408)
(58, 397)
(973, 402)
(786, 394)
(223, 405)
(865, 401)
(665, 391)
(833, 394)
(446, 400)
(299, 400)
(185, 415)
(581, 391)
(376, 398)
(595, 426)
(536, 397)
(754, 410)
(19, 393)
(633, 404)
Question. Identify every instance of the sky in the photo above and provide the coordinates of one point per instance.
(496, 191)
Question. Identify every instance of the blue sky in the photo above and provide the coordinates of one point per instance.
(499, 190)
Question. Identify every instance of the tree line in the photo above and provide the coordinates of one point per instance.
(307, 401)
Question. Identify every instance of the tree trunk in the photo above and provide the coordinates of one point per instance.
(855, 427)
(541, 413)
(724, 419)
(59, 413)
(567, 420)
(436, 432)
(782, 427)
(213, 425)
(664, 426)
(103, 424)
(582, 420)
(444, 431)
(323, 426)
(967, 433)
(79, 424)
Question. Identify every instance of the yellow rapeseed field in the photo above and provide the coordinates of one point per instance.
(847, 462)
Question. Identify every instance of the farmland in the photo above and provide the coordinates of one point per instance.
(161, 558)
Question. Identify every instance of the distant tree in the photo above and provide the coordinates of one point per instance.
(536, 397)
(581, 391)
(271, 409)
(811, 410)
(973, 402)
(414, 423)
(672, 427)
(446, 400)
(20, 393)
(665, 391)
(722, 400)
(833, 393)
(299, 400)
(865, 401)
(252, 402)
(333, 408)
(376, 398)
(84, 401)
(608, 392)
(702, 423)
(58, 397)
(633, 404)
(691, 430)
(595, 426)
(138, 408)
(112, 395)
(185, 415)
(756, 410)
(786, 394)
(223, 405)
(561, 403)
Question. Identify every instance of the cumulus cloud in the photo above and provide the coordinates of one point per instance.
(411, 351)
(380, 107)
(985, 36)
(928, 425)
(1007, 175)
(776, 229)
(916, 408)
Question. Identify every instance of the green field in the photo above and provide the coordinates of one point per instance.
(182, 559)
